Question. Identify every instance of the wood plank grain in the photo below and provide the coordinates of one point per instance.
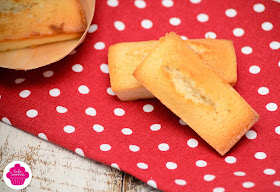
(57, 169)
(131, 184)
(54, 168)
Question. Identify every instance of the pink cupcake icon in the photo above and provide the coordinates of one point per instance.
(17, 175)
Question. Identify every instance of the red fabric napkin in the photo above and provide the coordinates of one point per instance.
(70, 102)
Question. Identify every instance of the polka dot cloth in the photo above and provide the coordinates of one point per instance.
(71, 102)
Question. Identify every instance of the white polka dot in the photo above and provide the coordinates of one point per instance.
(77, 68)
(99, 45)
(209, 177)
(259, 7)
(105, 147)
(61, 109)
(32, 113)
(112, 3)
(193, 143)
(140, 4)
(269, 171)
(211, 35)
(279, 63)
(230, 159)
(92, 28)
(219, 189)
(167, 3)
(251, 134)
(202, 17)
(248, 184)
(175, 21)
(69, 129)
(184, 37)
(126, 131)
(267, 26)
(146, 24)
(104, 68)
(238, 32)
(24, 93)
(254, 69)
(19, 80)
(134, 148)
(6, 120)
(114, 165)
(271, 107)
(42, 136)
(142, 165)
(171, 165)
(110, 92)
(148, 108)
(98, 128)
(83, 89)
(119, 112)
(246, 50)
(277, 130)
(90, 111)
(239, 173)
(155, 127)
(48, 73)
(163, 147)
(120, 26)
(201, 163)
(182, 122)
(195, 1)
(274, 45)
(260, 155)
(180, 182)
(263, 90)
(79, 151)
(54, 92)
(231, 13)
(152, 183)
(276, 183)
(72, 52)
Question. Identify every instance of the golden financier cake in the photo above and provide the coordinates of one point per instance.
(123, 58)
(184, 83)
(26, 23)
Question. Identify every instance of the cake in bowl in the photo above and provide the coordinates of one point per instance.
(28, 23)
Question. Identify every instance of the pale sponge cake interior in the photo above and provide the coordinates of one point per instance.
(123, 58)
(183, 82)
(26, 23)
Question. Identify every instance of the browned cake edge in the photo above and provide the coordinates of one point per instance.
(23, 43)
(222, 151)
(40, 39)
(121, 91)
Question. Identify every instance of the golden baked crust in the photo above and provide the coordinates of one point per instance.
(219, 54)
(184, 83)
(123, 58)
(25, 23)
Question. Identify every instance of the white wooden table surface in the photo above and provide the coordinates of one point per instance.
(57, 169)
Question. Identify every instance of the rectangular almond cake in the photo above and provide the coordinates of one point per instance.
(123, 58)
(26, 23)
(184, 83)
